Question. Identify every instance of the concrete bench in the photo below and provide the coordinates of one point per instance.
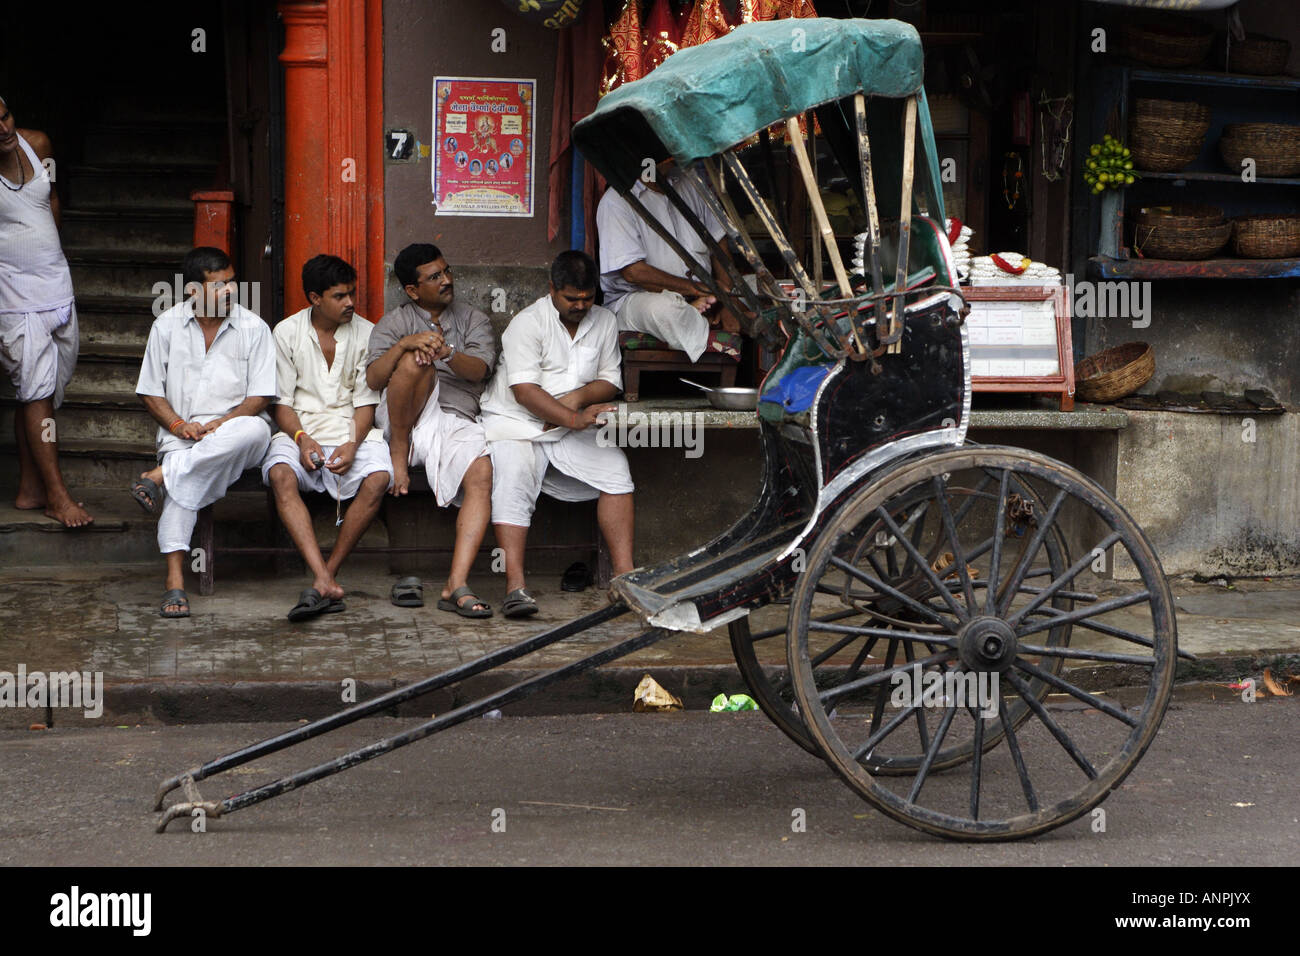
(404, 532)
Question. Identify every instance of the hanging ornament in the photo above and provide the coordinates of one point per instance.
(707, 21)
(622, 49)
(663, 35)
(554, 14)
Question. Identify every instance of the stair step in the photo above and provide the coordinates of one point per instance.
(148, 185)
(96, 417)
(180, 142)
(111, 272)
(86, 464)
(162, 232)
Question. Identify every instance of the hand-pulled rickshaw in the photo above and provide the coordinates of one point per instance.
(910, 559)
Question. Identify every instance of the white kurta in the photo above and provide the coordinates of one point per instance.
(527, 457)
(626, 238)
(203, 385)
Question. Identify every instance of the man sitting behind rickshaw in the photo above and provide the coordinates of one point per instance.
(646, 283)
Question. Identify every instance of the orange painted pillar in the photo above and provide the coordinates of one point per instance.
(214, 222)
(333, 146)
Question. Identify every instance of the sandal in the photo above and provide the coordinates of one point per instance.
(408, 592)
(179, 598)
(147, 494)
(466, 608)
(576, 578)
(311, 603)
(519, 603)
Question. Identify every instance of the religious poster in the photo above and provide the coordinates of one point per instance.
(483, 134)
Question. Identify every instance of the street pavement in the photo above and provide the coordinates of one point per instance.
(238, 658)
(1217, 788)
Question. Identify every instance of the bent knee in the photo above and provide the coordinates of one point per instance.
(479, 474)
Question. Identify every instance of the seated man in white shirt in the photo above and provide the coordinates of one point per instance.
(645, 282)
(559, 369)
(207, 378)
(325, 412)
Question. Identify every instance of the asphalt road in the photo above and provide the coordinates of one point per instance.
(1218, 787)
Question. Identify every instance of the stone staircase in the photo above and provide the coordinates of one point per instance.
(127, 221)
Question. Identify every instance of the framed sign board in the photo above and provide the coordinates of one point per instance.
(1020, 340)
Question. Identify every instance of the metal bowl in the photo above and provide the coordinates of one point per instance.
(734, 399)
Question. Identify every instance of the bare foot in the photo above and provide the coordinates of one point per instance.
(328, 587)
(401, 478)
(70, 512)
(28, 502)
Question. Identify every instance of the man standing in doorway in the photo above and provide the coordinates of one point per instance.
(207, 378)
(38, 318)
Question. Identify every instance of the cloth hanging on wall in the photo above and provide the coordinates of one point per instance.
(663, 34)
(623, 45)
(577, 83)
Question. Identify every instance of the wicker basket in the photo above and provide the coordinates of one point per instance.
(1179, 215)
(1114, 373)
(1266, 237)
(1165, 241)
(1275, 148)
(1168, 42)
(1166, 135)
(1257, 55)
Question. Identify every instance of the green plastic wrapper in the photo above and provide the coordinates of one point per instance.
(731, 704)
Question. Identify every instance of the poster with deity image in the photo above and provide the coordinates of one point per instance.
(483, 146)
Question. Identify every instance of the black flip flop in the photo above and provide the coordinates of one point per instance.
(519, 603)
(147, 494)
(178, 597)
(576, 578)
(310, 604)
(452, 603)
(408, 592)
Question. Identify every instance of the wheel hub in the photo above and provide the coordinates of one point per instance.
(987, 644)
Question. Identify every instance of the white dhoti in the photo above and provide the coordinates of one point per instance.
(372, 457)
(38, 351)
(573, 468)
(667, 316)
(199, 474)
(445, 445)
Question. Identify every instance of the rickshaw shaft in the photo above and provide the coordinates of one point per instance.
(392, 698)
(449, 719)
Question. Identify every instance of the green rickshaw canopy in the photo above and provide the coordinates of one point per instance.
(703, 100)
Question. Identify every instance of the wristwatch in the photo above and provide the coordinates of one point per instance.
(450, 354)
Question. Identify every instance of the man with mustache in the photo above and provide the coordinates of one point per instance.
(38, 319)
(207, 378)
(325, 411)
(431, 357)
(559, 371)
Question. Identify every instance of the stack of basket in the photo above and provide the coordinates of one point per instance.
(1266, 236)
(1274, 147)
(1165, 136)
(1170, 42)
(1257, 55)
(1183, 231)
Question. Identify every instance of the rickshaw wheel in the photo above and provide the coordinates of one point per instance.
(984, 621)
(774, 692)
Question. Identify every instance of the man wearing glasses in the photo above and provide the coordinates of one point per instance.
(431, 357)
